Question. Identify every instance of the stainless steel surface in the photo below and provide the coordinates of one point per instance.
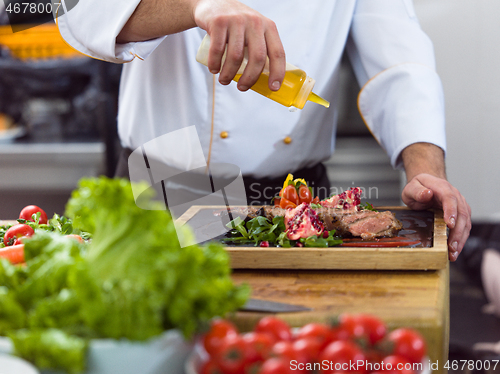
(48, 166)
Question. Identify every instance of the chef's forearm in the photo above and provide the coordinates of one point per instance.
(155, 18)
(425, 158)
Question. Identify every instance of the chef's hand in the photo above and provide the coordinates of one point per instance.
(231, 22)
(427, 191)
(432, 190)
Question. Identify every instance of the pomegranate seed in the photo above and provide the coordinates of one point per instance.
(264, 243)
(299, 244)
(325, 234)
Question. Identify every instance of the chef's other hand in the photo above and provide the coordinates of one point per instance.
(426, 191)
(231, 22)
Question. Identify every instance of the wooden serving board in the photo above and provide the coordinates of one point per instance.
(432, 254)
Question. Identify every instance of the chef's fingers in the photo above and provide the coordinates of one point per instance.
(417, 196)
(459, 234)
(235, 52)
(277, 58)
(257, 54)
(445, 196)
(218, 40)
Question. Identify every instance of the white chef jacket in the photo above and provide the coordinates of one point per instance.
(163, 88)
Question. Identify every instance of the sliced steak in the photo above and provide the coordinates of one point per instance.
(366, 224)
(375, 226)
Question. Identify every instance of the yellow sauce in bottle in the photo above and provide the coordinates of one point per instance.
(289, 90)
(295, 90)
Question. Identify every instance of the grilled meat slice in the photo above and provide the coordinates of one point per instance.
(366, 224)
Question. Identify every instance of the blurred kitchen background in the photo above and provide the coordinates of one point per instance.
(57, 124)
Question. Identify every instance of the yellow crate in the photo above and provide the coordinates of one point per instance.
(39, 42)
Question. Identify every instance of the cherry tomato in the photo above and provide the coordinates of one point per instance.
(305, 195)
(350, 328)
(397, 364)
(374, 328)
(210, 367)
(308, 348)
(277, 328)
(342, 355)
(315, 200)
(318, 331)
(219, 329)
(290, 193)
(277, 201)
(231, 354)
(276, 365)
(28, 212)
(285, 203)
(17, 231)
(284, 349)
(258, 346)
(409, 344)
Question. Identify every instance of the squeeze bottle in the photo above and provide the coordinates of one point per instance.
(295, 90)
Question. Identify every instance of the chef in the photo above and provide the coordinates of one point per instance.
(164, 88)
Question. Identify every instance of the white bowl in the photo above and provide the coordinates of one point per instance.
(165, 354)
(15, 365)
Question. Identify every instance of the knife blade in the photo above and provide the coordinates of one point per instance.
(257, 305)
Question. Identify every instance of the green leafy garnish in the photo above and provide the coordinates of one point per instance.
(256, 230)
(367, 206)
(320, 242)
(260, 229)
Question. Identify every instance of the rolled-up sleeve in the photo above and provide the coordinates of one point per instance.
(91, 27)
(401, 100)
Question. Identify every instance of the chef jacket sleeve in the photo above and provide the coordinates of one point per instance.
(401, 100)
(91, 27)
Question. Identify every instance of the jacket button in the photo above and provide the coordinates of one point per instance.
(287, 140)
(224, 134)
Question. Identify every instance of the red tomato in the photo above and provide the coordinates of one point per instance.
(17, 231)
(409, 344)
(277, 328)
(374, 328)
(285, 203)
(305, 195)
(315, 200)
(231, 355)
(318, 331)
(219, 329)
(350, 328)
(277, 201)
(258, 346)
(210, 367)
(290, 193)
(308, 348)
(28, 212)
(276, 365)
(397, 364)
(284, 349)
(343, 356)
